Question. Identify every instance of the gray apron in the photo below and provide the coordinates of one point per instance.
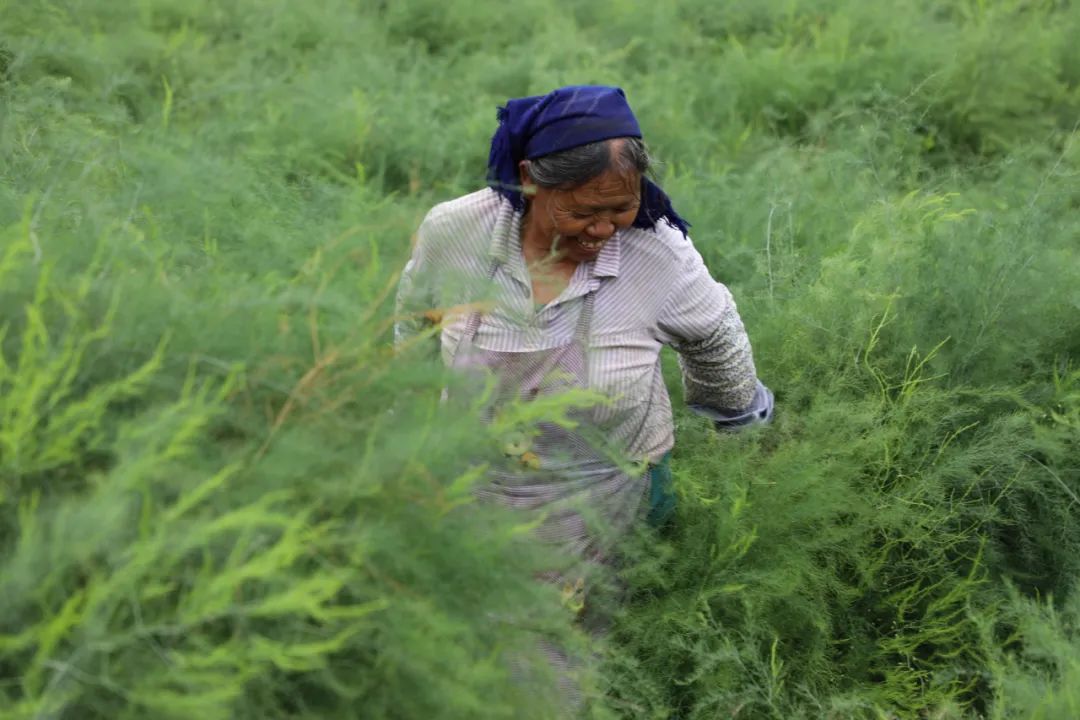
(588, 496)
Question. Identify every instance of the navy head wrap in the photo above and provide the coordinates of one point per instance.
(569, 117)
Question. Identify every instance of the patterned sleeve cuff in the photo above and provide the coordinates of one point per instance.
(759, 412)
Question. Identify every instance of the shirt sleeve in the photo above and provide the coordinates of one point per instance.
(415, 309)
(701, 323)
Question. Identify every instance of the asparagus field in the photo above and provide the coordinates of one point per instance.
(223, 495)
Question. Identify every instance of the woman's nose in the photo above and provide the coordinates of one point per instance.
(601, 229)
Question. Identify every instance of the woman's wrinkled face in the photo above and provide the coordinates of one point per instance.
(578, 222)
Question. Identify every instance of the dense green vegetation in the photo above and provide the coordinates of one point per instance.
(221, 496)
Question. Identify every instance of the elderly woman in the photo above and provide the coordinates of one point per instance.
(588, 272)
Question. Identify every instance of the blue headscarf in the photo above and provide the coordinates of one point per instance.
(532, 127)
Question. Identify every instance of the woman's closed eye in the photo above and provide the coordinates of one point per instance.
(586, 214)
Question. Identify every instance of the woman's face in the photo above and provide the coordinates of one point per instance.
(578, 222)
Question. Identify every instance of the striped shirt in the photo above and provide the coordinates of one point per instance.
(651, 288)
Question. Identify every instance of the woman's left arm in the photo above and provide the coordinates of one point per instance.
(701, 323)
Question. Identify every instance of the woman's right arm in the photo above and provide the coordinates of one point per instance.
(416, 317)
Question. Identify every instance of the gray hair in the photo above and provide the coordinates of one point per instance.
(576, 166)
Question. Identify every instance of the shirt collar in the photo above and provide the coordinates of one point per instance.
(607, 262)
(507, 229)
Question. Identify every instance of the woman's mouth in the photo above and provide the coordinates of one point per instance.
(590, 245)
